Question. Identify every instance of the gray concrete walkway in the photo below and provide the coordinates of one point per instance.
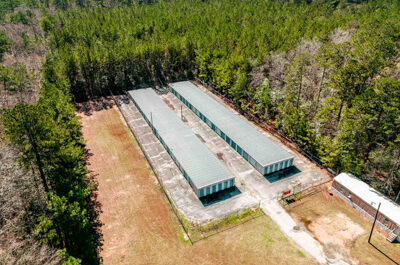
(288, 226)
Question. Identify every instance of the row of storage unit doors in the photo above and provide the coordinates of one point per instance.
(217, 187)
(220, 133)
(263, 170)
(278, 166)
(166, 148)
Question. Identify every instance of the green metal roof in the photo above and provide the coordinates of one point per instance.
(202, 166)
(264, 150)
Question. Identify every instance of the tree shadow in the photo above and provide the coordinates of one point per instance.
(96, 206)
(98, 104)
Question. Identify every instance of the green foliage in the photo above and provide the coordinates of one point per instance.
(123, 47)
(15, 78)
(47, 22)
(49, 139)
(22, 17)
(5, 44)
(29, 128)
(67, 259)
(67, 225)
(297, 127)
(262, 98)
(26, 39)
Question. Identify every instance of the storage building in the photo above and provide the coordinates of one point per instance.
(261, 152)
(366, 200)
(201, 168)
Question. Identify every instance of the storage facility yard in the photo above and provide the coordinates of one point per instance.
(202, 169)
(251, 185)
(261, 152)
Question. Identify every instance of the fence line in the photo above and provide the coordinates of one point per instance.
(305, 190)
(224, 224)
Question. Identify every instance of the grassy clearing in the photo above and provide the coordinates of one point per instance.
(336, 224)
(139, 226)
(216, 226)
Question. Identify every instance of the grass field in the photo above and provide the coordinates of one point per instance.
(140, 228)
(341, 228)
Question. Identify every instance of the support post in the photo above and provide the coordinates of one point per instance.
(373, 225)
(181, 113)
(151, 117)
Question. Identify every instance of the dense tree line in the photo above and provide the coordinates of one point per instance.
(49, 139)
(9, 6)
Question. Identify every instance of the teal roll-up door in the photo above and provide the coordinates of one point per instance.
(201, 192)
(239, 150)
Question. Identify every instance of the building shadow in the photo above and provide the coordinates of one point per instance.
(282, 174)
(384, 254)
(219, 196)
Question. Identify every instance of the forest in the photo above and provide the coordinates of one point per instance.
(323, 73)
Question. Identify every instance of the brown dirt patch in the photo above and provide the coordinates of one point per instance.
(220, 156)
(338, 229)
(138, 225)
(342, 230)
(169, 104)
(201, 138)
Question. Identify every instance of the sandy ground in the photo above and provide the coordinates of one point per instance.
(138, 225)
(337, 231)
(342, 230)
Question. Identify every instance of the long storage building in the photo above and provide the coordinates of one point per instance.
(261, 152)
(366, 200)
(201, 168)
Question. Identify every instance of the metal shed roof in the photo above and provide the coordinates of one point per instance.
(264, 150)
(202, 166)
(369, 195)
